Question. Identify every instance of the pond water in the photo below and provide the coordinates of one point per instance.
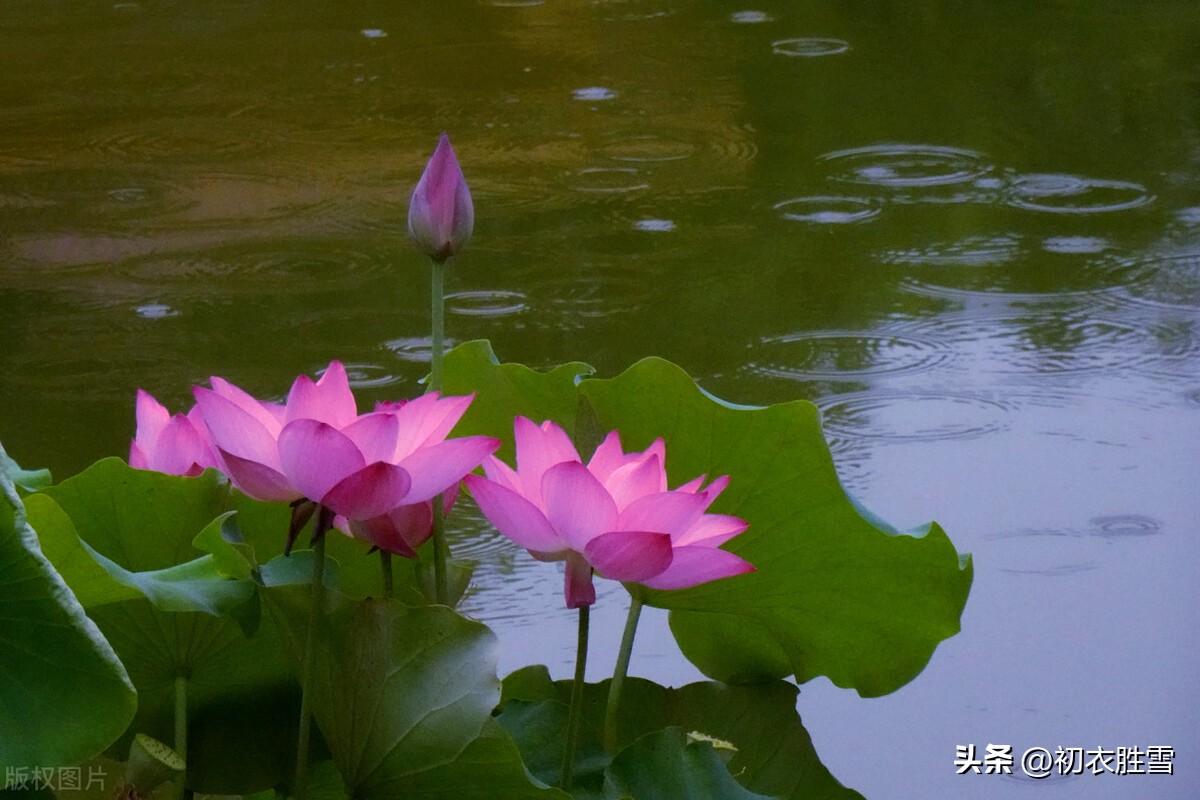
(969, 232)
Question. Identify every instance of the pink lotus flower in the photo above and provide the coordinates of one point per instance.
(441, 215)
(176, 445)
(400, 531)
(317, 447)
(614, 515)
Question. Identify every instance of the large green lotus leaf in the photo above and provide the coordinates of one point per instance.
(399, 691)
(64, 695)
(124, 537)
(774, 754)
(31, 480)
(837, 593)
(490, 768)
(664, 765)
(505, 390)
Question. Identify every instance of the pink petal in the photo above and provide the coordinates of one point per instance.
(329, 400)
(179, 448)
(636, 479)
(374, 435)
(657, 448)
(449, 497)
(316, 456)
(577, 583)
(538, 449)
(401, 531)
(208, 456)
(712, 530)
(426, 421)
(369, 492)
(258, 480)
(608, 457)
(501, 473)
(152, 417)
(693, 485)
(269, 414)
(692, 566)
(435, 469)
(514, 516)
(665, 512)
(379, 532)
(576, 504)
(137, 459)
(413, 523)
(236, 431)
(629, 555)
(714, 489)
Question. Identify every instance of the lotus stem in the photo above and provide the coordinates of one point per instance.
(385, 568)
(316, 601)
(181, 718)
(438, 308)
(441, 553)
(181, 731)
(441, 550)
(575, 715)
(619, 672)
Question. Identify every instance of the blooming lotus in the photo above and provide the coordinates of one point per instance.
(441, 215)
(317, 447)
(614, 515)
(176, 445)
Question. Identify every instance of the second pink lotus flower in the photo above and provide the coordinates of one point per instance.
(614, 514)
(318, 447)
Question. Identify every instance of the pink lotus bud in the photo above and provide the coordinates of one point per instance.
(441, 215)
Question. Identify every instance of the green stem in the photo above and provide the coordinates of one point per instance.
(300, 786)
(385, 566)
(438, 307)
(181, 719)
(441, 553)
(574, 717)
(441, 550)
(181, 731)
(619, 672)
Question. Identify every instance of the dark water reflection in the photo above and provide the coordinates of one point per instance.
(970, 232)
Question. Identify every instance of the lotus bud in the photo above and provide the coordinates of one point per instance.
(441, 215)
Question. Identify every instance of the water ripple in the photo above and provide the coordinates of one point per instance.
(972, 251)
(913, 416)
(1049, 341)
(594, 93)
(809, 47)
(827, 210)
(609, 180)
(843, 354)
(648, 149)
(750, 17)
(1071, 194)
(1121, 526)
(370, 376)
(1168, 280)
(490, 303)
(896, 165)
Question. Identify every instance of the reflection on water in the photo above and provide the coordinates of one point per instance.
(969, 232)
